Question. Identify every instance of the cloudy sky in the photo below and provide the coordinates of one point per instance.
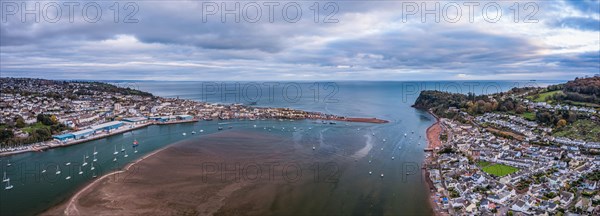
(349, 40)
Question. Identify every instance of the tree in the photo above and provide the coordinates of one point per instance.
(520, 109)
(20, 123)
(561, 123)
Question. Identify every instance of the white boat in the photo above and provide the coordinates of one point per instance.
(92, 168)
(183, 134)
(57, 170)
(86, 155)
(84, 162)
(381, 175)
(8, 185)
(384, 140)
(314, 148)
(95, 159)
(5, 179)
(8, 163)
(404, 134)
(116, 152)
(68, 177)
(43, 171)
(370, 173)
(115, 159)
(254, 126)
(95, 152)
(201, 131)
(392, 157)
(80, 172)
(369, 161)
(193, 132)
(135, 151)
(122, 148)
(126, 155)
(68, 163)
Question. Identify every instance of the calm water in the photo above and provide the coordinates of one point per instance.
(355, 192)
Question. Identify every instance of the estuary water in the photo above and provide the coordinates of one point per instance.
(394, 149)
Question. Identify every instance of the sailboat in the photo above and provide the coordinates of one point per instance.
(68, 177)
(116, 152)
(80, 172)
(115, 159)
(95, 159)
(126, 155)
(84, 163)
(57, 170)
(8, 163)
(5, 179)
(92, 168)
(201, 131)
(122, 148)
(95, 152)
(86, 155)
(8, 185)
(193, 132)
(44, 171)
(135, 145)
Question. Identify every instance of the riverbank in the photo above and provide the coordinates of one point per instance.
(39, 147)
(433, 144)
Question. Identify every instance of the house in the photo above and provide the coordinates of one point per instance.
(520, 206)
(566, 198)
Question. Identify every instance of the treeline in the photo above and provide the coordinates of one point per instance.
(579, 90)
(439, 102)
(104, 87)
(37, 133)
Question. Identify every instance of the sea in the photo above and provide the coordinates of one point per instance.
(394, 149)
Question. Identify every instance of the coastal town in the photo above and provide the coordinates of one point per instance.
(38, 114)
(504, 164)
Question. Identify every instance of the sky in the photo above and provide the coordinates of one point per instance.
(342, 40)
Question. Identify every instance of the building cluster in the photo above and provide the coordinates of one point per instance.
(532, 131)
(478, 173)
(545, 105)
(85, 107)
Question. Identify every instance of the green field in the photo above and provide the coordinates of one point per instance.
(38, 125)
(545, 97)
(499, 169)
(529, 116)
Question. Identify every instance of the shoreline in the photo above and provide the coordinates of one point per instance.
(433, 133)
(49, 144)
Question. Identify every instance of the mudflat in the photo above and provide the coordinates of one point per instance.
(227, 173)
